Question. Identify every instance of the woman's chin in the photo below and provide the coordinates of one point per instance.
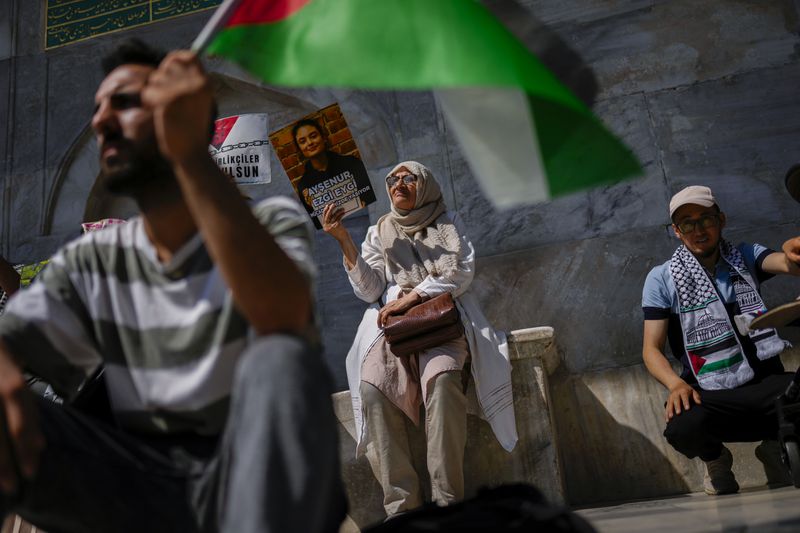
(311, 154)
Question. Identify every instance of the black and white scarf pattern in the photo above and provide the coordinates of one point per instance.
(715, 354)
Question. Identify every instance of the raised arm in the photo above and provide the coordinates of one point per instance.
(680, 392)
(262, 278)
(332, 225)
(366, 271)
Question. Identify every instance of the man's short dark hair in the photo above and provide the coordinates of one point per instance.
(132, 52)
(136, 52)
(305, 122)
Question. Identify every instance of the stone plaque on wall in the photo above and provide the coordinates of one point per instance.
(70, 21)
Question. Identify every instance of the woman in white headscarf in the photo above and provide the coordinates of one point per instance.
(415, 252)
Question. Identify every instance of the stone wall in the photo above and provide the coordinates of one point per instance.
(703, 92)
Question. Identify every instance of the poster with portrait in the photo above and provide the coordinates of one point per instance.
(322, 161)
(240, 147)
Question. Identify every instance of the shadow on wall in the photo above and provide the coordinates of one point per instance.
(366, 491)
(588, 291)
(604, 458)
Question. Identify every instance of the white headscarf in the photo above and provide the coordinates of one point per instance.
(421, 241)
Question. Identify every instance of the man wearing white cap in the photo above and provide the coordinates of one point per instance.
(730, 379)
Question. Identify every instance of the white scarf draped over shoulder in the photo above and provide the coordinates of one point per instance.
(421, 241)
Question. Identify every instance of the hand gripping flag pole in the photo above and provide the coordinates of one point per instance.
(215, 23)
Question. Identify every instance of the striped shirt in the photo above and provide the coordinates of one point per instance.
(168, 335)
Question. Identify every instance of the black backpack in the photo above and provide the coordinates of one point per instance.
(506, 508)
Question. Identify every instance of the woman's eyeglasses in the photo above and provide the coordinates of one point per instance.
(706, 221)
(408, 179)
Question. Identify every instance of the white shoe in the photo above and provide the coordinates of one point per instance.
(719, 478)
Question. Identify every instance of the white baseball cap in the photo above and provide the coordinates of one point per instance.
(693, 194)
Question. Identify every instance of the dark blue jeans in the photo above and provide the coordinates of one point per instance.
(274, 468)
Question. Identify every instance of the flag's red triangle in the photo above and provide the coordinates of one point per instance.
(264, 11)
(697, 362)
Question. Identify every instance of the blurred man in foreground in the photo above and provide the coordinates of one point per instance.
(199, 311)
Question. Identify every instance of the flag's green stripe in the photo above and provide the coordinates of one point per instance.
(577, 150)
(725, 363)
(391, 44)
(346, 44)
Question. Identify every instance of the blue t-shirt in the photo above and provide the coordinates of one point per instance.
(660, 301)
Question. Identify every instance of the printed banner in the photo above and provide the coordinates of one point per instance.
(322, 161)
(70, 21)
(240, 147)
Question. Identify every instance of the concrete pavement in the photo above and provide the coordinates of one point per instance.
(754, 510)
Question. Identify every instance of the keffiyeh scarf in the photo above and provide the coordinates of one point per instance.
(715, 354)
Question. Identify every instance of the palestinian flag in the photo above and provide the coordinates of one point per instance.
(526, 137)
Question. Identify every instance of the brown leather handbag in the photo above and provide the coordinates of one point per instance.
(424, 326)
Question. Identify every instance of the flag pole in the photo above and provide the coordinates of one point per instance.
(215, 23)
